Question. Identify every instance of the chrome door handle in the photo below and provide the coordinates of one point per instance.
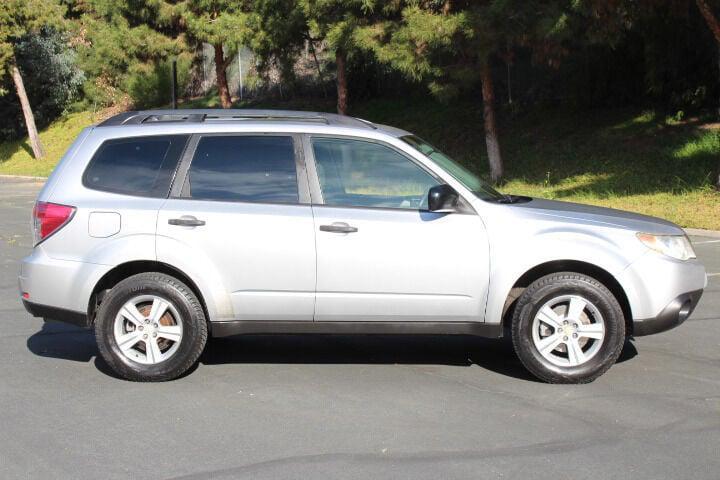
(338, 227)
(186, 221)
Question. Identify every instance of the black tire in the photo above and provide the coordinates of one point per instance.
(544, 290)
(182, 298)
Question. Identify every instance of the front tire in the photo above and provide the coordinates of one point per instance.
(568, 328)
(150, 327)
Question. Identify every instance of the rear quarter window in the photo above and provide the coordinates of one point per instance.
(141, 166)
(244, 168)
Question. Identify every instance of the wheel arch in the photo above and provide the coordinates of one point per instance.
(128, 269)
(576, 266)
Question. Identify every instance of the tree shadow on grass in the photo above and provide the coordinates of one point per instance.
(8, 149)
(630, 158)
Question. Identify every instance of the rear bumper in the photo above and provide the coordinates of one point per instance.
(57, 285)
(59, 314)
(674, 314)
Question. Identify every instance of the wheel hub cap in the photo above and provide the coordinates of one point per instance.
(148, 329)
(568, 330)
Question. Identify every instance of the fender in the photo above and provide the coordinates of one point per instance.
(510, 259)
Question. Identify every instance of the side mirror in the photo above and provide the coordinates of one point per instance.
(442, 199)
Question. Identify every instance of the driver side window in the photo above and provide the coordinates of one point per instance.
(365, 174)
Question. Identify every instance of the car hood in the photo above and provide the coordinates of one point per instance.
(589, 214)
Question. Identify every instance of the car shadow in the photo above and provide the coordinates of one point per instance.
(61, 341)
(492, 354)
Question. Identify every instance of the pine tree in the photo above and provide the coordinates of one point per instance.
(224, 25)
(121, 41)
(452, 44)
(19, 18)
(338, 22)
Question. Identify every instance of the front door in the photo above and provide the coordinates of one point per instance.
(381, 256)
(239, 218)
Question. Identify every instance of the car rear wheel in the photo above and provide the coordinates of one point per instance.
(568, 328)
(150, 327)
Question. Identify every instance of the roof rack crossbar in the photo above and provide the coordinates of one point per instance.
(190, 118)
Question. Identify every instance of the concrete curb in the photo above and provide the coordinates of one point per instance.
(702, 233)
(23, 177)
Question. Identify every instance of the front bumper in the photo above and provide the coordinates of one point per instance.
(674, 314)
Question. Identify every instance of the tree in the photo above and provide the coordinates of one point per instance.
(19, 18)
(337, 22)
(51, 77)
(224, 25)
(121, 43)
(714, 25)
(278, 30)
(447, 45)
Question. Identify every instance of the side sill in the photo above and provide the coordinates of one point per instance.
(243, 327)
(46, 312)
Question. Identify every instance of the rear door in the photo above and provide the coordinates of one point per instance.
(381, 255)
(241, 208)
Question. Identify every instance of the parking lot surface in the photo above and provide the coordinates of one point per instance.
(362, 407)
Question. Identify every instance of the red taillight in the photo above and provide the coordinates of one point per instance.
(48, 218)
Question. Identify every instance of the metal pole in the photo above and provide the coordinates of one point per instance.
(240, 73)
(173, 84)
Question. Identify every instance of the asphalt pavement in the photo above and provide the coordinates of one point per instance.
(364, 407)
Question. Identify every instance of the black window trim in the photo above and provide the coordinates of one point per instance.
(181, 187)
(318, 200)
(129, 138)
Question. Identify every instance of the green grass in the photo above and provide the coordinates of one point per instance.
(632, 160)
(620, 159)
(16, 157)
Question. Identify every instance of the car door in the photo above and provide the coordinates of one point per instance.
(381, 255)
(240, 217)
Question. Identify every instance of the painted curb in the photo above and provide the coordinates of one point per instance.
(702, 233)
(23, 177)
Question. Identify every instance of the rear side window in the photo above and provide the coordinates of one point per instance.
(244, 168)
(141, 166)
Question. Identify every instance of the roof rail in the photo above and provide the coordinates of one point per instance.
(225, 115)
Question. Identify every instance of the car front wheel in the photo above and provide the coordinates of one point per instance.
(568, 328)
(150, 327)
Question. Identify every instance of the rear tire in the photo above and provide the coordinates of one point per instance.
(150, 328)
(568, 328)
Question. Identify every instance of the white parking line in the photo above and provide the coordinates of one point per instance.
(706, 241)
(713, 274)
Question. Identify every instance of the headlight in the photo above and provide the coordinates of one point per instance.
(675, 246)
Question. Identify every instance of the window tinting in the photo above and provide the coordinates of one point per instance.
(141, 166)
(244, 168)
(366, 174)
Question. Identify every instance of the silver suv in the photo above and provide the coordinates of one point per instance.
(160, 228)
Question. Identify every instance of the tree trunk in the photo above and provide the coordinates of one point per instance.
(342, 90)
(714, 26)
(491, 136)
(27, 113)
(317, 65)
(221, 73)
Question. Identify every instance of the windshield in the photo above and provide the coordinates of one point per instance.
(469, 180)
